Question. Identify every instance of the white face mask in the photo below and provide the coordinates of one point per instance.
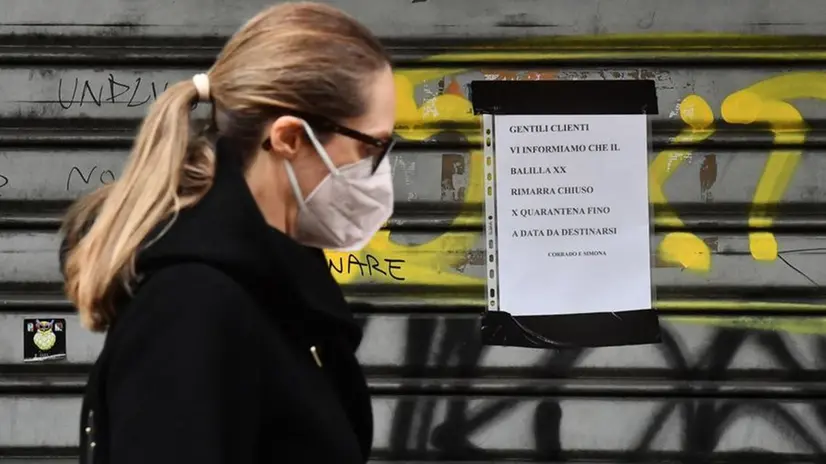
(347, 207)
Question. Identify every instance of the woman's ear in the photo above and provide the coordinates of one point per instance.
(286, 136)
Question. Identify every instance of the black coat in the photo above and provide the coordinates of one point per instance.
(238, 348)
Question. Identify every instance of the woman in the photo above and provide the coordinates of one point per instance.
(228, 339)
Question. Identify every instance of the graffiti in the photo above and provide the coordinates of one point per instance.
(104, 176)
(349, 263)
(681, 247)
(696, 399)
(132, 93)
(764, 104)
(696, 415)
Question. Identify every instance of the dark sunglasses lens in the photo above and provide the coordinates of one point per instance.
(379, 157)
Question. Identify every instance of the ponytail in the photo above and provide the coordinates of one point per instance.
(290, 55)
(104, 230)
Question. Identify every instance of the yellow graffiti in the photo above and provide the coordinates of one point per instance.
(683, 248)
(767, 103)
(436, 262)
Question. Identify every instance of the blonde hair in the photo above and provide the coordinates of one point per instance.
(298, 56)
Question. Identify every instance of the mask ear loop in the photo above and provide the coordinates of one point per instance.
(325, 158)
(320, 149)
(294, 184)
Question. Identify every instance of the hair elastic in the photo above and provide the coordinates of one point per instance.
(201, 82)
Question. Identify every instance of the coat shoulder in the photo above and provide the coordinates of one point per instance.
(188, 298)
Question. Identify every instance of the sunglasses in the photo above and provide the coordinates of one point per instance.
(379, 147)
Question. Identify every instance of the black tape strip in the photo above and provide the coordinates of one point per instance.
(571, 330)
(564, 97)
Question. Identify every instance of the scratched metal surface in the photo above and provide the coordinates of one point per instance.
(39, 460)
(31, 257)
(740, 374)
(518, 432)
(705, 175)
(395, 344)
(426, 18)
(118, 92)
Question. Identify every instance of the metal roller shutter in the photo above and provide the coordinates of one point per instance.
(740, 372)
